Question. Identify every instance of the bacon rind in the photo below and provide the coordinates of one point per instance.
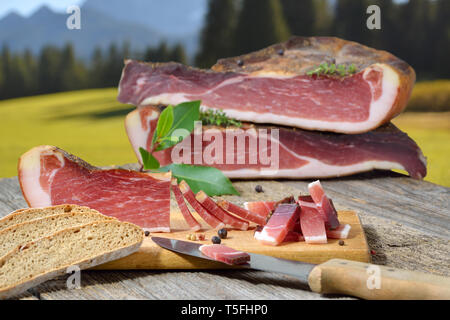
(241, 212)
(219, 213)
(188, 217)
(205, 215)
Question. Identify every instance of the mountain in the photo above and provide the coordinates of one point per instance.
(172, 18)
(105, 22)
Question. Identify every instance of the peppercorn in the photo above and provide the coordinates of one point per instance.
(240, 63)
(201, 237)
(259, 188)
(215, 240)
(280, 52)
(341, 242)
(188, 236)
(222, 233)
(193, 237)
(147, 233)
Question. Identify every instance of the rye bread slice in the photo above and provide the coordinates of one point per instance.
(22, 233)
(27, 214)
(85, 246)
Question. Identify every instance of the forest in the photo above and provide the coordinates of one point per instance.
(418, 31)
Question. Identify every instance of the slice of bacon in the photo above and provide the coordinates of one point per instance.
(241, 212)
(51, 176)
(293, 236)
(225, 254)
(324, 205)
(281, 222)
(210, 205)
(190, 198)
(311, 221)
(263, 208)
(193, 224)
(340, 232)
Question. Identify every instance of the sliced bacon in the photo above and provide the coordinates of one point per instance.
(190, 198)
(224, 254)
(193, 224)
(311, 221)
(340, 232)
(263, 208)
(324, 205)
(51, 176)
(280, 223)
(210, 205)
(241, 212)
(301, 153)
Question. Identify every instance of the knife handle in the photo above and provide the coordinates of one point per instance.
(369, 281)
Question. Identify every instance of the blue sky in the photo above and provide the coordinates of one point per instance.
(27, 7)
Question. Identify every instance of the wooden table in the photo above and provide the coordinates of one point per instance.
(406, 222)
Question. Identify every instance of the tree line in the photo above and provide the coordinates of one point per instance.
(417, 31)
(58, 69)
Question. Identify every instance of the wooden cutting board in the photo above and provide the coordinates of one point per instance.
(151, 256)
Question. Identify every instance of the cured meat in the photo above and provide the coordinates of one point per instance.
(311, 221)
(284, 152)
(293, 236)
(263, 208)
(281, 222)
(266, 87)
(241, 212)
(221, 214)
(324, 205)
(190, 197)
(224, 254)
(193, 224)
(340, 232)
(51, 176)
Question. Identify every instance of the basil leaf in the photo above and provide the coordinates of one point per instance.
(165, 122)
(148, 160)
(184, 116)
(211, 180)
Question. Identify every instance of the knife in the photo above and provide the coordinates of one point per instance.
(338, 276)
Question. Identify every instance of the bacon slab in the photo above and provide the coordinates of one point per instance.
(340, 232)
(211, 206)
(311, 221)
(301, 153)
(51, 176)
(193, 224)
(224, 254)
(241, 212)
(266, 87)
(324, 205)
(189, 195)
(281, 222)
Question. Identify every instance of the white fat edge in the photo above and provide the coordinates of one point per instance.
(165, 99)
(246, 206)
(136, 134)
(342, 234)
(314, 169)
(263, 236)
(30, 165)
(157, 229)
(316, 239)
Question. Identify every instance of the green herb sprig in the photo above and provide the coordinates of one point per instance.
(325, 69)
(218, 118)
(180, 120)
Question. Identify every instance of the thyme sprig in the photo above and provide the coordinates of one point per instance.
(218, 118)
(333, 70)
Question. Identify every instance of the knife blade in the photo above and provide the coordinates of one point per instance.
(338, 276)
(296, 269)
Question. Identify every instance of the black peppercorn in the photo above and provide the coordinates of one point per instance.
(215, 240)
(259, 188)
(240, 63)
(341, 242)
(222, 233)
(147, 233)
(280, 52)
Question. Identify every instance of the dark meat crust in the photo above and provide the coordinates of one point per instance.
(301, 54)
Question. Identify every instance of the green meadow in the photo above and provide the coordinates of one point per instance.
(89, 124)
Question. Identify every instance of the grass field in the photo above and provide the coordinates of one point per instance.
(89, 124)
